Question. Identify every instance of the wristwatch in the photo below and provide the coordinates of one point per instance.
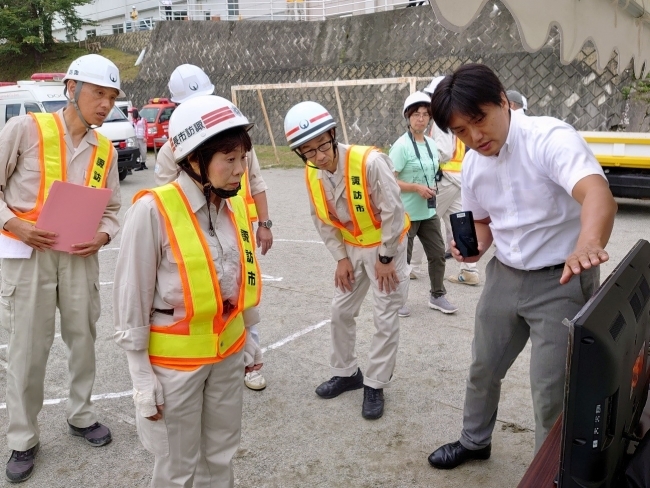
(266, 223)
(385, 259)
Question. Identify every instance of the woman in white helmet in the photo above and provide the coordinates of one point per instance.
(186, 285)
(186, 82)
(356, 209)
(35, 151)
(415, 157)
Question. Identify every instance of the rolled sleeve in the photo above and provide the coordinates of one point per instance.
(385, 195)
(257, 183)
(135, 275)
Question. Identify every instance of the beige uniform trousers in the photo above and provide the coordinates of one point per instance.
(345, 308)
(30, 292)
(448, 201)
(198, 435)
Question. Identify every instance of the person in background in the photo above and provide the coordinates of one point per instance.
(517, 101)
(140, 126)
(186, 82)
(537, 191)
(415, 159)
(36, 150)
(186, 284)
(451, 151)
(356, 209)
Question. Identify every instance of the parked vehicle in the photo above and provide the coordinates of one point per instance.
(157, 113)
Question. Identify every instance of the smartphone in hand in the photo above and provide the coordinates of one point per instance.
(462, 227)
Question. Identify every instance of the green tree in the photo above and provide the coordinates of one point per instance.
(26, 25)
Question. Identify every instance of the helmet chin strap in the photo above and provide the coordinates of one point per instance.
(208, 189)
(74, 101)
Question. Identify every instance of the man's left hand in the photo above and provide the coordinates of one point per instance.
(386, 276)
(86, 249)
(586, 257)
(264, 239)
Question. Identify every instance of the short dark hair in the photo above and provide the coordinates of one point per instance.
(463, 92)
(224, 142)
(415, 107)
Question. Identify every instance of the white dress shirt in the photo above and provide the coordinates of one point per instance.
(526, 191)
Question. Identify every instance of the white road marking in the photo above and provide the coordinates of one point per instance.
(295, 335)
(271, 278)
(298, 240)
(102, 396)
(102, 283)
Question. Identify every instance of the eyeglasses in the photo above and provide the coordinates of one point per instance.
(420, 115)
(322, 148)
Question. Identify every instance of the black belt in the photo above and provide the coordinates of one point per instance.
(551, 268)
(168, 311)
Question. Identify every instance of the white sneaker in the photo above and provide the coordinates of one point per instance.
(441, 303)
(254, 380)
(465, 277)
(404, 311)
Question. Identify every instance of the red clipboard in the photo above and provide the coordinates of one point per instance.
(73, 212)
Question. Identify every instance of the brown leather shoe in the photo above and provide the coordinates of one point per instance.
(96, 435)
(21, 465)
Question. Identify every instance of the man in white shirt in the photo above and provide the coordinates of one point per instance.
(538, 193)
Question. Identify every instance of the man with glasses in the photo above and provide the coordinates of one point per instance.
(356, 208)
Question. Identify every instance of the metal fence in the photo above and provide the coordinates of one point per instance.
(277, 9)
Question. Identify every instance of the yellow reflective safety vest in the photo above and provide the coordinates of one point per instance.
(246, 193)
(367, 229)
(455, 164)
(205, 335)
(52, 159)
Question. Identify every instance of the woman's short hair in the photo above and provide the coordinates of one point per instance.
(415, 107)
(223, 142)
(464, 92)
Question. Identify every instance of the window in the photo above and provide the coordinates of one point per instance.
(206, 16)
(118, 28)
(91, 33)
(233, 7)
(13, 110)
(32, 107)
(180, 14)
(166, 114)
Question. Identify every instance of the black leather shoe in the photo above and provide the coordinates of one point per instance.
(339, 384)
(448, 255)
(373, 403)
(451, 455)
(21, 465)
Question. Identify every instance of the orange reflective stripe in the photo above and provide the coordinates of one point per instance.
(202, 336)
(246, 192)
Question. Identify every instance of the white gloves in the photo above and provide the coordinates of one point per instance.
(147, 390)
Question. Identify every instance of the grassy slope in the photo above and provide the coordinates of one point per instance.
(13, 68)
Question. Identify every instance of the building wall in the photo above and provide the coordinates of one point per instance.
(405, 42)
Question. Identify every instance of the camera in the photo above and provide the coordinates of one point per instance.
(431, 202)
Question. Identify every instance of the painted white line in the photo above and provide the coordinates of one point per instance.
(295, 335)
(109, 249)
(102, 283)
(298, 240)
(270, 278)
(103, 396)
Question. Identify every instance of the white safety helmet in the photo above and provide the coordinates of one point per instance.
(199, 119)
(415, 98)
(305, 121)
(95, 69)
(431, 87)
(188, 81)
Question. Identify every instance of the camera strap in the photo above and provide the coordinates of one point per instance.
(417, 153)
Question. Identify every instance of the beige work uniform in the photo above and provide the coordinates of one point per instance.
(32, 289)
(202, 414)
(388, 208)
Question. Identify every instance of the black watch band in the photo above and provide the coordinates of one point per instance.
(385, 259)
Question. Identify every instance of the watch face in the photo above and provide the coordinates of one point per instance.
(267, 224)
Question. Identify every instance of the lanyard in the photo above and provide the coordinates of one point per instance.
(417, 153)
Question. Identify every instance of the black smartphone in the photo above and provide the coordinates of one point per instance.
(462, 227)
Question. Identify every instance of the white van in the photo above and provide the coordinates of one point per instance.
(47, 96)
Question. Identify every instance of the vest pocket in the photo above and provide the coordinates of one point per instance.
(7, 306)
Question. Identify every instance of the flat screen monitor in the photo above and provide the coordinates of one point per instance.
(607, 375)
